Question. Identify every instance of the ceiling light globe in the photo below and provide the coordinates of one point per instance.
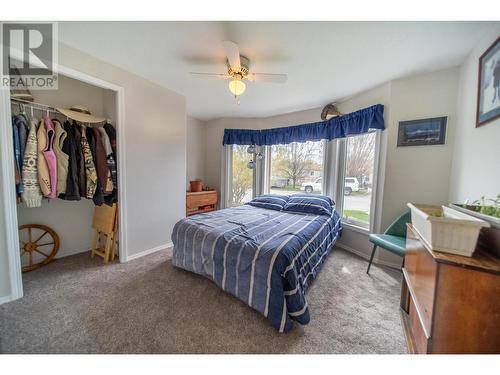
(237, 87)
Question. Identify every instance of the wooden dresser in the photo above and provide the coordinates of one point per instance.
(450, 303)
(203, 201)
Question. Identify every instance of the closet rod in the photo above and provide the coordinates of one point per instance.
(45, 107)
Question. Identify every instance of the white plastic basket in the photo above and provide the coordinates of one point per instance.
(445, 229)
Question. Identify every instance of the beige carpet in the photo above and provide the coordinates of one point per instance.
(77, 305)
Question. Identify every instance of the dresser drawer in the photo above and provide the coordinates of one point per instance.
(420, 339)
(421, 275)
(201, 199)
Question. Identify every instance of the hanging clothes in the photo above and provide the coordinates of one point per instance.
(61, 157)
(17, 158)
(32, 195)
(70, 148)
(100, 161)
(67, 160)
(42, 167)
(98, 197)
(111, 133)
(50, 157)
(82, 177)
(21, 123)
(90, 171)
(110, 161)
(23, 128)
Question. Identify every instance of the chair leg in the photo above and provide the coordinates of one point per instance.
(403, 265)
(371, 258)
(107, 248)
(95, 243)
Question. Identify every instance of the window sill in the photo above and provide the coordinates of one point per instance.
(355, 228)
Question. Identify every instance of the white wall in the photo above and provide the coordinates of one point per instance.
(70, 219)
(195, 150)
(155, 151)
(476, 160)
(5, 287)
(9, 272)
(420, 173)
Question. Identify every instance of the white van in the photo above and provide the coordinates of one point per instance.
(351, 184)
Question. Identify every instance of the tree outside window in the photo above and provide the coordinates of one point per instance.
(242, 181)
(359, 167)
(296, 167)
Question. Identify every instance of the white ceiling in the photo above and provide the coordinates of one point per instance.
(325, 61)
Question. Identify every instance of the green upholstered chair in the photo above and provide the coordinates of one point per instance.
(393, 239)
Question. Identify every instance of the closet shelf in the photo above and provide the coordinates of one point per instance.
(50, 109)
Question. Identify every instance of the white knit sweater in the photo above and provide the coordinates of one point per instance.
(32, 194)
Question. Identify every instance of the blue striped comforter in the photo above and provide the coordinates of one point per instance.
(265, 258)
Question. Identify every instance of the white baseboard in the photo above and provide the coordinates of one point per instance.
(367, 256)
(5, 299)
(149, 251)
(67, 253)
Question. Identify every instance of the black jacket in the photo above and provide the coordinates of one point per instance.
(113, 197)
(70, 147)
(82, 177)
(98, 196)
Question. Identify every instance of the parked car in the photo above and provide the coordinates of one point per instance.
(351, 184)
(310, 186)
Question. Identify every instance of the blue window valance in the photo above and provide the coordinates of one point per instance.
(353, 123)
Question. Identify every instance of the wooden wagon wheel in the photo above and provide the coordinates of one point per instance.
(42, 243)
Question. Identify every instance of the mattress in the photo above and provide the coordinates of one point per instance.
(265, 258)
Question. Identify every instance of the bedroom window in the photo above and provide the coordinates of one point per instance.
(242, 178)
(296, 168)
(358, 177)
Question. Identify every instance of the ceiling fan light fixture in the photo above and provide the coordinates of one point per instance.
(237, 87)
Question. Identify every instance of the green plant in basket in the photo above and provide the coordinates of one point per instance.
(489, 209)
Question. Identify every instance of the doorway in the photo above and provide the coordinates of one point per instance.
(112, 104)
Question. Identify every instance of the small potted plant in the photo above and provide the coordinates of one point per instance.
(485, 208)
(196, 186)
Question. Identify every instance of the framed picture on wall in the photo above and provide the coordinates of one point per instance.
(488, 86)
(429, 131)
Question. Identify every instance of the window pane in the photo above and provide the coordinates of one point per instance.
(360, 157)
(242, 182)
(297, 168)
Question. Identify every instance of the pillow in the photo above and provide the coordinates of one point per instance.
(271, 202)
(310, 204)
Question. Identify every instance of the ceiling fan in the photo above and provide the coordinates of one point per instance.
(238, 71)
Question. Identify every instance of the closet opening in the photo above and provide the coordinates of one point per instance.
(67, 174)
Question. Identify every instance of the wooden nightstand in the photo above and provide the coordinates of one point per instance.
(203, 201)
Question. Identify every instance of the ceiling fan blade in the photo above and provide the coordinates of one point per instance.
(267, 77)
(210, 75)
(205, 61)
(232, 54)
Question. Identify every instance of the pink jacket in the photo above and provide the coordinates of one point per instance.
(50, 157)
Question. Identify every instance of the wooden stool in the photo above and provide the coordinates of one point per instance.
(114, 247)
(104, 225)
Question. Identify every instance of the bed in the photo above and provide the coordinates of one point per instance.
(265, 257)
